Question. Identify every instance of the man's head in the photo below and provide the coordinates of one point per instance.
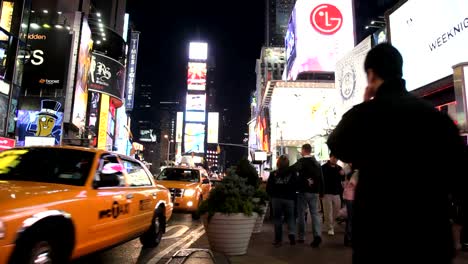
(306, 150)
(333, 159)
(384, 62)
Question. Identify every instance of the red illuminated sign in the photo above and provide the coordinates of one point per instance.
(196, 77)
(326, 19)
(6, 143)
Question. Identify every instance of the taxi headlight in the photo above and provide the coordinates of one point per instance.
(189, 192)
(2, 230)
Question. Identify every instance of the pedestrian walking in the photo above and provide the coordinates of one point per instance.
(281, 187)
(348, 197)
(408, 156)
(333, 176)
(310, 190)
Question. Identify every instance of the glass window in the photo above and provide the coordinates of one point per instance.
(175, 174)
(62, 166)
(136, 175)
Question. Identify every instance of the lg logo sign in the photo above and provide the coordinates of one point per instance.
(326, 19)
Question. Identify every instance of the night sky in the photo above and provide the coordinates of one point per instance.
(235, 33)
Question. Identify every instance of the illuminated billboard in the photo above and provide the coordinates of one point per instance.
(322, 32)
(198, 51)
(196, 102)
(196, 76)
(179, 126)
(191, 116)
(80, 99)
(299, 114)
(213, 128)
(350, 77)
(194, 138)
(437, 33)
(103, 122)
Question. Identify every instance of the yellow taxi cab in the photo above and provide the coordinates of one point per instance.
(188, 187)
(60, 203)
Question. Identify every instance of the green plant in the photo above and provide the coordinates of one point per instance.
(245, 170)
(231, 196)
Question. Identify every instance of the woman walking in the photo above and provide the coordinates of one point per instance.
(348, 196)
(281, 187)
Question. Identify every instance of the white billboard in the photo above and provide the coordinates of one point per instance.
(196, 102)
(431, 37)
(323, 33)
(299, 114)
(191, 116)
(350, 77)
(213, 127)
(198, 51)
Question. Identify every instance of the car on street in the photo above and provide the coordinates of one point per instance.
(188, 187)
(61, 203)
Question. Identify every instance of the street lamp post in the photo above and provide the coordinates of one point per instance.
(169, 141)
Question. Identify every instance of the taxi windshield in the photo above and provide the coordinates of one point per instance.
(183, 175)
(49, 165)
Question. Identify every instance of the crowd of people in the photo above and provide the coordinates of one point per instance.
(405, 170)
(308, 187)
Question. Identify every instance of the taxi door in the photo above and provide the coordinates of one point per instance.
(110, 204)
(143, 195)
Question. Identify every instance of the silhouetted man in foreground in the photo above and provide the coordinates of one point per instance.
(409, 156)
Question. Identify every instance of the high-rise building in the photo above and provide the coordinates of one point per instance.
(277, 18)
(167, 134)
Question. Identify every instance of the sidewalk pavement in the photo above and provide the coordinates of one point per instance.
(261, 250)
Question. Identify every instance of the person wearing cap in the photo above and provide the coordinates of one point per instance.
(409, 156)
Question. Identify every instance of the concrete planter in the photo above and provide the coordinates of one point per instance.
(229, 234)
(259, 222)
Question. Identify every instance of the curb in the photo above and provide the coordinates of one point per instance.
(197, 256)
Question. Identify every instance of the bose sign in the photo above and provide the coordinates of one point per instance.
(436, 33)
(323, 33)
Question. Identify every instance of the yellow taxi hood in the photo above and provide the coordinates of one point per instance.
(15, 191)
(179, 184)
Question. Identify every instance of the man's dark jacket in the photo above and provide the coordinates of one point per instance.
(410, 158)
(308, 168)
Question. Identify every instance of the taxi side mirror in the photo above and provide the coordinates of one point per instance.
(206, 181)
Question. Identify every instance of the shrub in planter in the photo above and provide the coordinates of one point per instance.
(229, 215)
(245, 170)
(260, 206)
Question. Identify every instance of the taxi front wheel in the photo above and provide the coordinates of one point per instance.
(37, 250)
(153, 236)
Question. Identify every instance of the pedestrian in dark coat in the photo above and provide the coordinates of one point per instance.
(409, 156)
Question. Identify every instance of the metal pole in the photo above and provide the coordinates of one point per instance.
(168, 149)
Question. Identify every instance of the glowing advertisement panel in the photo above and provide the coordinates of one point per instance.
(179, 126)
(191, 116)
(435, 33)
(198, 51)
(301, 113)
(103, 122)
(350, 77)
(194, 138)
(324, 33)
(196, 102)
(196, 76)
(213, 127)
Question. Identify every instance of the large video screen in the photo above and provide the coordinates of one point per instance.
(309, 113)
(196, 77)
(435, 33)
(324, 32)
(194, 138)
